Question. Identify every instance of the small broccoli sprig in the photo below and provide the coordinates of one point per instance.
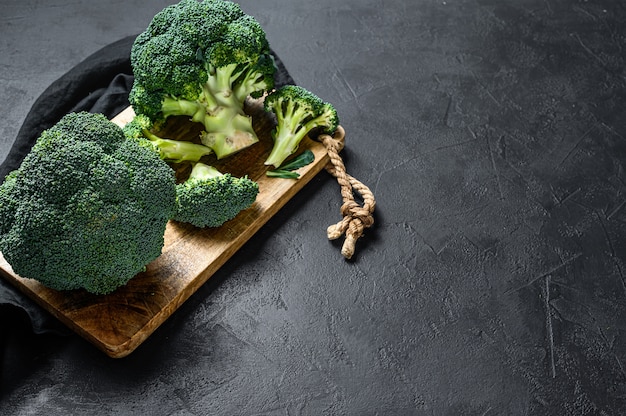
(298, 112)
(87, 208)
(202, 60)
(170, 150)
(209, 198)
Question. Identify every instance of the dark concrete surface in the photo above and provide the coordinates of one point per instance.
(493, 283)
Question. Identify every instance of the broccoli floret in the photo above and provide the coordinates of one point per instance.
(170, 150)
(202, 60)
(209, 198)
(298, 112)
(87, 208)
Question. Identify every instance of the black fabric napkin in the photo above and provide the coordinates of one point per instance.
(99, 84)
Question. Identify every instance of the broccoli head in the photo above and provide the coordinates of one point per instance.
(298, 112)
(175, 151)
(202, 59)
(87, 208)
(209, 198)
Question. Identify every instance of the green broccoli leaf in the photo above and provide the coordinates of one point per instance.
(287, 170)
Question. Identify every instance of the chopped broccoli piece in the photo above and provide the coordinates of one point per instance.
(209, 198)
(174, 151)
(298, 112)
(202, 60)
(87, 208)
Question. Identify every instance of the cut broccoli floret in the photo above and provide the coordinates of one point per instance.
(87, 208)
(170, 150)
(202, 60)
(298, 112)
(209, 198)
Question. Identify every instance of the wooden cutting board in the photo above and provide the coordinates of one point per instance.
(119, 322)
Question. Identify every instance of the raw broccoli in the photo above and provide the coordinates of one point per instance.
(209, 198)
(298, 112)
(202, 60)
(87, 208)
(175, 151)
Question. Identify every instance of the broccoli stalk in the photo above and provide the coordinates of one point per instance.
(298, 112)
(175, 151)
(227, 129)
(209, 198)
(202, 60)
(204, 172)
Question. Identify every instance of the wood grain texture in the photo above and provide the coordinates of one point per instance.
(119, 322)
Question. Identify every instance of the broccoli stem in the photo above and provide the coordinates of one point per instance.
(228, 132)
(290, 132)
(220, 86)
(249, 81)
(176, 150)
(203, 171)
(178, 107)
(285, 143)
(227, 129)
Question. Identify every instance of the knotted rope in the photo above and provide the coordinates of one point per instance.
(356, 218)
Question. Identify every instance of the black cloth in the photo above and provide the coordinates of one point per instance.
(99, 84)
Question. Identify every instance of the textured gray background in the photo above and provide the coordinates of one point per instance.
(491, 132)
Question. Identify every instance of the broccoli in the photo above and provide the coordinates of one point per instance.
(209, 198)
(175, 151)
(202, 60)
(298, 112)
(87, 208)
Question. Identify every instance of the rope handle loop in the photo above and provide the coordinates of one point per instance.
(356, 218)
